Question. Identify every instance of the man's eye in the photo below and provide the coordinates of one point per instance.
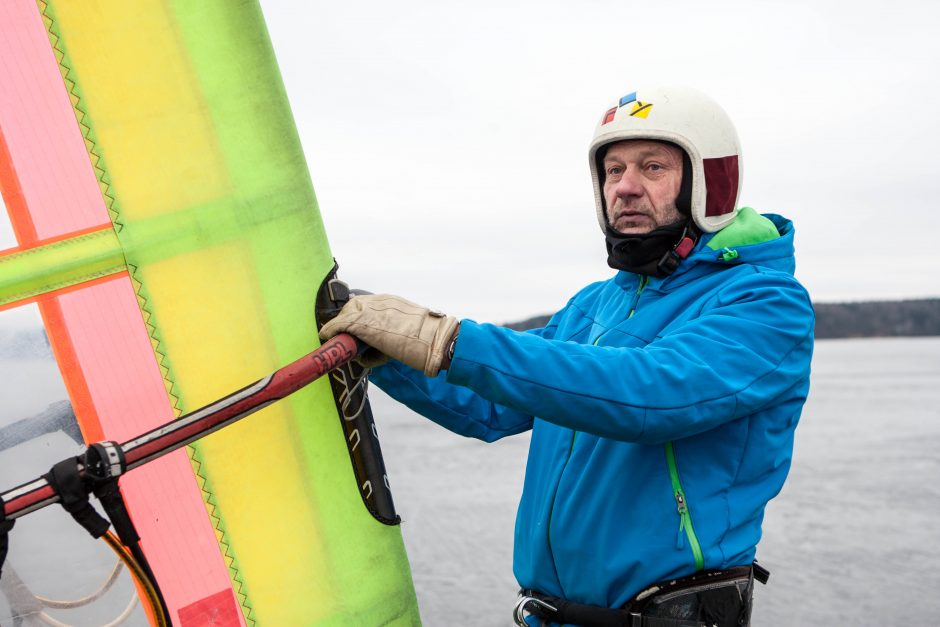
(654, 167)
(614, 170)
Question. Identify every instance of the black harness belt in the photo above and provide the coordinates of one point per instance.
(710, 598)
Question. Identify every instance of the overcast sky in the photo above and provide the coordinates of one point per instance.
(448, 142)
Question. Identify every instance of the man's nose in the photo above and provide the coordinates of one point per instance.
(628, 185)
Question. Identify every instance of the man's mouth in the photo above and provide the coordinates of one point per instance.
(629, 216)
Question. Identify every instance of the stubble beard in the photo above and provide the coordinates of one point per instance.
(650, 221)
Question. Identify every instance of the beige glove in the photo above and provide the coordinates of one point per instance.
(400, 329)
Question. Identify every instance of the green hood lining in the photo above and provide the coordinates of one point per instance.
(748, 227)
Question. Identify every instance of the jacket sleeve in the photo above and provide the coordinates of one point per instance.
(456, 408)
(750, 349)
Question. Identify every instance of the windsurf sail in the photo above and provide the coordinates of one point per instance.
(164, 247)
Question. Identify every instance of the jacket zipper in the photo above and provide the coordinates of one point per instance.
(685, 517)
(636, 298)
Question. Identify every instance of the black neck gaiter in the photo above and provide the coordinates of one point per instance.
(654, 253)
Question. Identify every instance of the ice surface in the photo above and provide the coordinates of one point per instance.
(853, 539)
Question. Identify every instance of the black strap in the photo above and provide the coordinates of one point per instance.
(562, 611)
(761, 574)
(5, 527)
(109, 495)
(73, 495)
(673, 257)
(576, 613)
(104, 463)
(567, 612)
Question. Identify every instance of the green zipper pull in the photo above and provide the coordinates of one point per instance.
(683, 514)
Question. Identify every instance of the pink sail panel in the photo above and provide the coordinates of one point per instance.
(99, 333)
(45, 146)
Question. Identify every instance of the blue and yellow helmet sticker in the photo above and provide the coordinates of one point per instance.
(638, 110)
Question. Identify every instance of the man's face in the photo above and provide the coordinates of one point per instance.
(641, 183)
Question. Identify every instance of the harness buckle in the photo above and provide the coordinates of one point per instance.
(518, 612)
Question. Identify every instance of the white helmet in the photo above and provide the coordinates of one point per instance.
(695, 123)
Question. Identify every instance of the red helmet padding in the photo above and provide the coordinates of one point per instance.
(721, 185)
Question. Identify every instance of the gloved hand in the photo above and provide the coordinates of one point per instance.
(414, 335)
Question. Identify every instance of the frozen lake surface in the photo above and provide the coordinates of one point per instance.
(853, 539)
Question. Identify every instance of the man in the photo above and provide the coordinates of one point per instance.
(662, 402)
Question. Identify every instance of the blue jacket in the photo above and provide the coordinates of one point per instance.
(662, 414)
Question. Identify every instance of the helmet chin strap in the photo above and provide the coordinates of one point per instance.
(657, 253)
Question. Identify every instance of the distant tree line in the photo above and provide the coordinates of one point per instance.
(878, 318)
(841, 320)
(889, 318)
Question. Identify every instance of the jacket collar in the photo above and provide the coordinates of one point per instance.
(750, 242)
